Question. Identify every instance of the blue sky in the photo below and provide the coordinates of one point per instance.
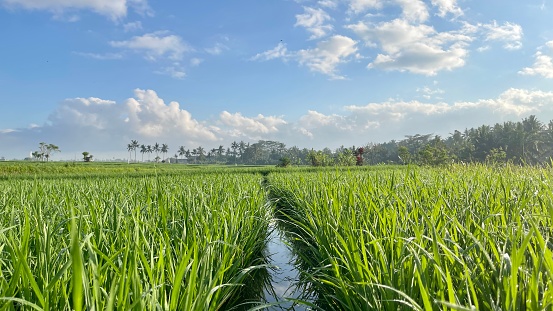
(90, 75)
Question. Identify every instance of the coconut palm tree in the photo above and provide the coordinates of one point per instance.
(164, 149)
(200, 152)
(129, 149)
(143, 150)
(135, 145)
(181, 151)
(149, 150)
(157, 148)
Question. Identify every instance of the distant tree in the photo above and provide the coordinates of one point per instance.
(130, 149)
(164, 150)
(143, 150)
(149, 149)
(404, 154)
(50, 148)
(87, 157)
(284, 162)
(181, 151)
(135, 145)
(157, 149)
(36, 155)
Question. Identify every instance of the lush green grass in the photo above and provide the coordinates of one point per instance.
(188, 242)
(457, 238)
(116, 236)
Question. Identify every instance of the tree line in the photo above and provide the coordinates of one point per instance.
(525, 142)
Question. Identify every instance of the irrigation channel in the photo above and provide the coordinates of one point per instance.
(283, 290)
(284, 275)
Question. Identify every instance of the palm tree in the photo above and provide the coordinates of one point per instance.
(164, 149)
(157, 149)
(149, 150)
(181, 151)
(188, 154)
(129, 149)
(143, 150)
(234, 147)
(135, 145)
(201, 152)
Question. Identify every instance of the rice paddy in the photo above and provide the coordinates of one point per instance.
(372, 238)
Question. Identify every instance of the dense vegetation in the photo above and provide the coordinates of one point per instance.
(182, 237)
(462, 238)
(188, 242)
(526, 142)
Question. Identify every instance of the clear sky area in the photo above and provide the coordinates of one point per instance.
(92, 75)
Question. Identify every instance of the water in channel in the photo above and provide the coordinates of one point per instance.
(284, 275)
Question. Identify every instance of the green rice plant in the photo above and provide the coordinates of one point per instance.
(455, 238)
(171, 242)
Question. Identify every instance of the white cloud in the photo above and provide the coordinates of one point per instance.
(86, 112)
(280, 51)
(332, 4)
(315, 21)
(149, 116)
(98, 125)
(414, 10)
(543, 64)
(114, 9)
(156, 45)
(414, 48)
(175, 71)
(359, 6)
(324, 58)
(106, 56)
(328, 55)
(216, 49)
(241, 126)
(447, 6)
(133, 26)
(429, 93)
(509, 33)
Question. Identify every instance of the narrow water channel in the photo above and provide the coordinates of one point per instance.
(284, 275)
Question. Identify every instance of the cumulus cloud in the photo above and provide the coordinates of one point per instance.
(315, 21)
(447, 7)
(359, 6)
(508, 33)
(328, 55)
(148, 115)
(114, 9)
(156, 45)
(279, 51)
(238, 125)
(96, 125)
(543, 63)
(414, 10)
(414, 48)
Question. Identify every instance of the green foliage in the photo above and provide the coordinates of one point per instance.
(461, 238)
(166, 242)
(284, 162)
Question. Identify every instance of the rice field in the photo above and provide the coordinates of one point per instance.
(371, 238)
(457, 238)
(190, 242)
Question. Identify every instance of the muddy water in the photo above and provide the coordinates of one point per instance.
(284, 275)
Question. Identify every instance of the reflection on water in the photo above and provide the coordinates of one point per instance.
(284, 275)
